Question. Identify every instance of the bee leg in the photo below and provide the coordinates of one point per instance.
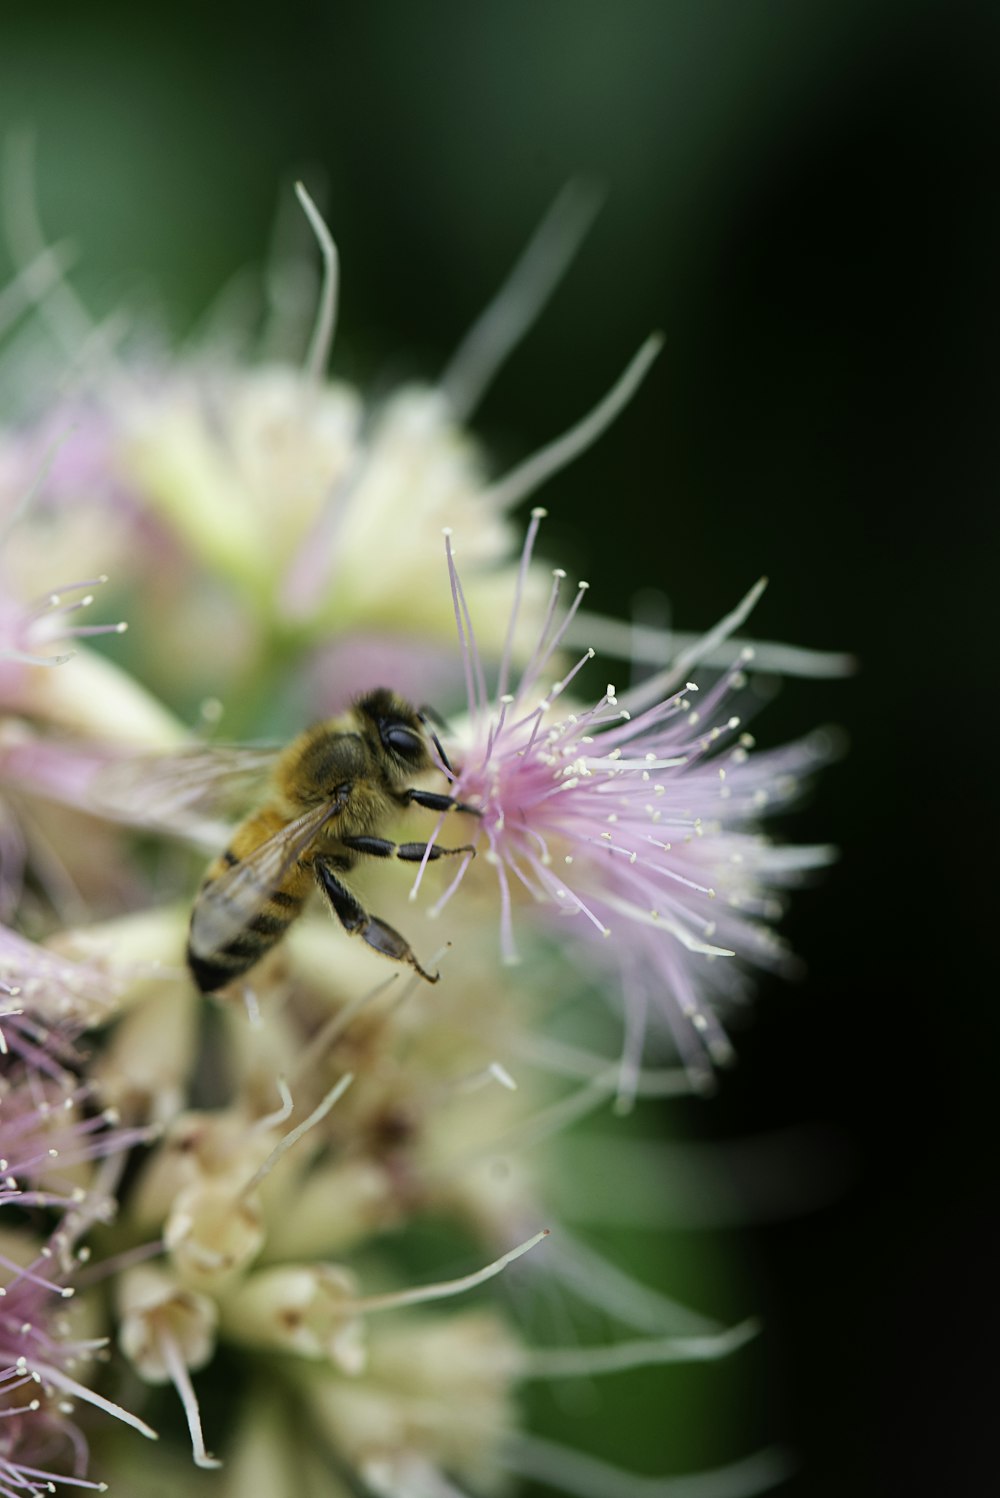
(435, 802)
(381, 847)
(356, 920)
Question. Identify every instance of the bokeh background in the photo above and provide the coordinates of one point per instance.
(803, 197)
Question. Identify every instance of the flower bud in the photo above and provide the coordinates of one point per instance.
(152, 1306)
(212, 1233)
(436, 1389)
(300, 1309)
(336, 1207)
(199, 1148)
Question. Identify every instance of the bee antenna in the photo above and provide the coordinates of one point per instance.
(427, 715)
(427, 712)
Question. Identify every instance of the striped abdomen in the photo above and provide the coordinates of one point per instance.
(238, 916)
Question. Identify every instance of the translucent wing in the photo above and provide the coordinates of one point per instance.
(180, 791)
(229, 903)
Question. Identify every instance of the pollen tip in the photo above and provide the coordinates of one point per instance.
(539, 513)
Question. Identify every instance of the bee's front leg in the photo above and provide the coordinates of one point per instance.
(436, 802)
(356, 920)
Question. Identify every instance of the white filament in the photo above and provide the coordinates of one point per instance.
(443, 1288)
(586, 1477)
(499, 329)
(180, 1377)
(294, 1135)
(529, 475)
(326, 314)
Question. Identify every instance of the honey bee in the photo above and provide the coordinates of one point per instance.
(331, 792)
(329, 795)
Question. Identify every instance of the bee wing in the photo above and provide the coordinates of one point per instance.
(180, 790)
(227, 904)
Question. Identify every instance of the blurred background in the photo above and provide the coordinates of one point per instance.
(803, 198)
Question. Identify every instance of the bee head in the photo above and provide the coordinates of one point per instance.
(399, 728)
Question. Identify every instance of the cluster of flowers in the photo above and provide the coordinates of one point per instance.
(249, 1171)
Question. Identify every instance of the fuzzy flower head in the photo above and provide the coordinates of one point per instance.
(54, 1145)
(39, 1358)
(636, 816)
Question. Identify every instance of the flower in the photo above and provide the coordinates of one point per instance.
(39, 1351)
(50, 1135)
(258, 498)
(298, 1153)
(637, 816)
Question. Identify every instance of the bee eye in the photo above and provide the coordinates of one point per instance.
(403, 741)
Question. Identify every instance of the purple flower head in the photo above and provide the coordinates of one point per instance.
(48, 989)
(38, 633)
(636, 816)
(50, 1131)
(40, 1445)
(36, 1442)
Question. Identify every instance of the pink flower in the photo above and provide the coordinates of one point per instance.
(48, 1128)
(42, 988)
(30, 1435)
(36, 1355)
(38, 633)
(637, 816)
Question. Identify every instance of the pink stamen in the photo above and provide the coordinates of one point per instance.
(557, 638)
(537, 517)
(437, 908)
(61, 1380)
(463, 639)
(496, 727)
(427, 853)
(541, 652)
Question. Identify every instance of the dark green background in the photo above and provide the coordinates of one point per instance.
(803, 196)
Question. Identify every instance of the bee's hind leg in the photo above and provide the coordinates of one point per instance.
(356, 920)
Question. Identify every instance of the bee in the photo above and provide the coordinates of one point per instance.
(329, 795)
(331, 792)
